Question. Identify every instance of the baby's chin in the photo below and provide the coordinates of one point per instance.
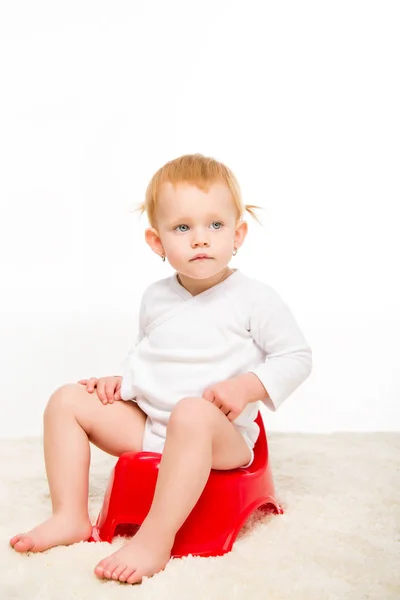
(206, 270)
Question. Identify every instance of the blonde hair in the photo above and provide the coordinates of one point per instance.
(198, 170)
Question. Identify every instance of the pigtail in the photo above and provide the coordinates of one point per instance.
(249, 208)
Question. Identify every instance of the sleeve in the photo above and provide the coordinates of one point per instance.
(127, 384)
(288, 360)
(142, 323)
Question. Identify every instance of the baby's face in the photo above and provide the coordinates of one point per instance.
(190, 221)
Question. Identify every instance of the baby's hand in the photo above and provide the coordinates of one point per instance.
(108, 388)
(230, 396)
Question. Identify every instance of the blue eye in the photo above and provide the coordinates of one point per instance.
(178, 227)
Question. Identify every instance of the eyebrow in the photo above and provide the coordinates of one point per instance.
(187, 218)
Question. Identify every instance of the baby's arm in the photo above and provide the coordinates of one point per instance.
(127, 392)
(289, 358)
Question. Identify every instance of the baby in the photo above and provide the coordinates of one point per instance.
(213, 344)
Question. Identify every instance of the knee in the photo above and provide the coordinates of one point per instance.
(64, 395)
(192, 413)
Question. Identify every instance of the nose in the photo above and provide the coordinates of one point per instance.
(200, 238)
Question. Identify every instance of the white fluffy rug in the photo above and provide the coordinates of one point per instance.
(338, 539)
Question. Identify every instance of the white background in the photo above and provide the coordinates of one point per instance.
(300, 99)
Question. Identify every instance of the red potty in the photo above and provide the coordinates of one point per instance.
(228, 499)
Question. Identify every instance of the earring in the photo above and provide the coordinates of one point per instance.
(163, 258)
(234, 251)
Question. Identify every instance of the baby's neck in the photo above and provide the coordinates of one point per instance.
(196, 286)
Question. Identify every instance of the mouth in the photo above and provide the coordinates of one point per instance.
(201, 258)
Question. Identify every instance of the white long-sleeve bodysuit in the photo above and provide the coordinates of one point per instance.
(187, 343)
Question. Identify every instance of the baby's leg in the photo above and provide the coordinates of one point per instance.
(72, 418)
(199, 437)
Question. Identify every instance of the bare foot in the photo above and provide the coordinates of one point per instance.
(144, 555)
(59, 530)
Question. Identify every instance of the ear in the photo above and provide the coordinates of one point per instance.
(240, 233)
(153, 239)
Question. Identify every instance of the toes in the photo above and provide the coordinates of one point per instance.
(16, 538)
(101, 567)
(107, 572)
(126, 573)
(135, 577)
(24, 544)
(107, 567)
(118, 571)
